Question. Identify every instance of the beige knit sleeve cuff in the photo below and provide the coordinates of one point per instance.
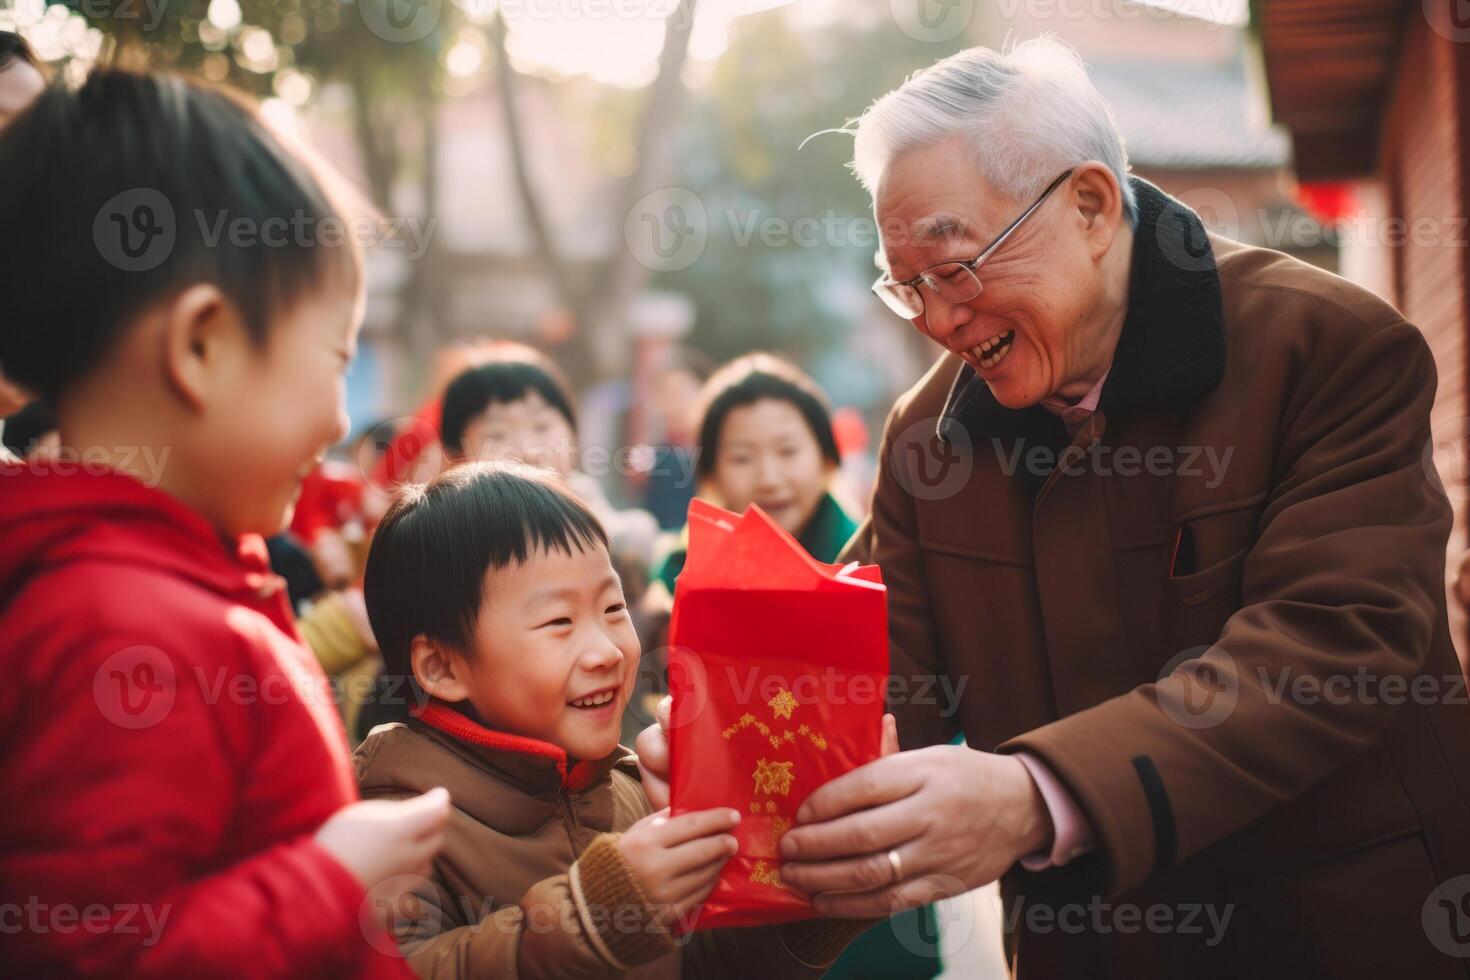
(619, 921)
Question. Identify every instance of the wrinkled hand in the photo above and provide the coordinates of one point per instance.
(958, 818)
(652, 746)
(380, 839)
(678, 860)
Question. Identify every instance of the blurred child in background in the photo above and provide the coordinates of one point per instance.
(171, 755)
(23, 76)
(668, 485)
(516, 404)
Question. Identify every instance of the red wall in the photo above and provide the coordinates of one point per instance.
(1424, 169)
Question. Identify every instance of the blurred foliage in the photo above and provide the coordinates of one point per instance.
(323, 38)
(289, 48)
(742, 152)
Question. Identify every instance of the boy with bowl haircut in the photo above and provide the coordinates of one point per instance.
(177, 778)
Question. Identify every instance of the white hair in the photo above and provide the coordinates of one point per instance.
(1027, 114)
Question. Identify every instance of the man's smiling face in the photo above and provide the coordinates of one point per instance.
(1042, 290)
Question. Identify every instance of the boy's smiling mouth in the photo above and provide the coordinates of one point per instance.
(597, 699)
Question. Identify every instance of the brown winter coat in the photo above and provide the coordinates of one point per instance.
(530, 882)
(1216, 652)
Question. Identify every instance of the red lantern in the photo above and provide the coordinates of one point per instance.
(1328, 202)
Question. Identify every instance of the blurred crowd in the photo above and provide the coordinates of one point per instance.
(757, 430)
(239, 547)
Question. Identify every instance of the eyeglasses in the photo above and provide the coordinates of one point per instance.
(954, 282)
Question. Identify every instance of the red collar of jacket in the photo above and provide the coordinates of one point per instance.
(574, 777)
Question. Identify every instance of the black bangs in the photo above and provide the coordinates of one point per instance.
(135, 185)
(513, 372)
(426, 567)
(758, 377)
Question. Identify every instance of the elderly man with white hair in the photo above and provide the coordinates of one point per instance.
(1163, 514)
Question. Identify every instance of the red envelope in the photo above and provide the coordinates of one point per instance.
(777, 666)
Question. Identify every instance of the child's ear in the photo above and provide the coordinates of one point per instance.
(436, 671)
(202, 331)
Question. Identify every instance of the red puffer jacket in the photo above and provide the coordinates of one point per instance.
(167, 749)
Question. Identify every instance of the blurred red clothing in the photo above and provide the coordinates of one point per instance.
(418, 435)
(169, 749)
(331, 497)
(332, 494)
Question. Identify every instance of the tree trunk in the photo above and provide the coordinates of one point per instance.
(379, 152)
(600, 307)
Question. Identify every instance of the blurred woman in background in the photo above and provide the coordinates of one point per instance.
(765, 437)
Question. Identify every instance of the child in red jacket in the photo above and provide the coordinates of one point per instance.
(178, 795)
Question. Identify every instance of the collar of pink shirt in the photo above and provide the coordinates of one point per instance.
(1074, 416)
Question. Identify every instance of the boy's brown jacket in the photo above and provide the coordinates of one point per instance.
(530, 882)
